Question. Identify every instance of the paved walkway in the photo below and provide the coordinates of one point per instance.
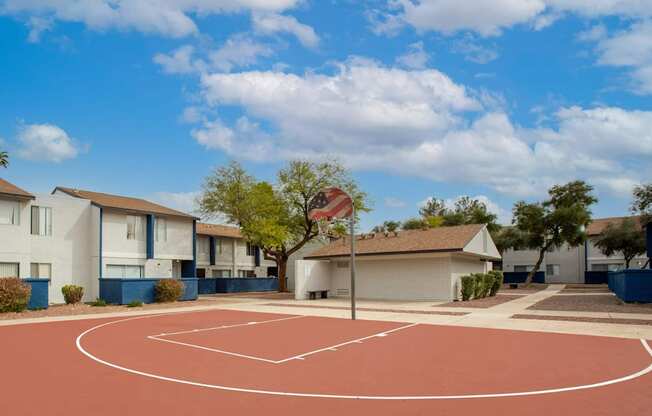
(498, 316)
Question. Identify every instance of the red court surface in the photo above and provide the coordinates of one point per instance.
(241, 363)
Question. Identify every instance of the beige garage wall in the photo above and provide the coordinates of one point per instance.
(462, 266)
(395, 279)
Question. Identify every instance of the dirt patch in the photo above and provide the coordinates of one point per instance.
(84, 309)
(593, 303)
(586, 291)
(412, 311)
(484, 302)
(621, 321)
(522, 289)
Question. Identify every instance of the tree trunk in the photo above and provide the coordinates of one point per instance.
(282, 265)
(530, 276)
(627, 261)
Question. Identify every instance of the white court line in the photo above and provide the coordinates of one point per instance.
(199, 347)
(215, 328)
(78, 343)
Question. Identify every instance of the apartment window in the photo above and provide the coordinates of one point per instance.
(203, 244)
(124, 271)
(250, 249)
(552, 270)
(9, 269)
(135, 227)
(246, 273)
(40, 270)
(41, 221)
(611, 267)
(218, 246)
(161, 229)
(9, 212)
(222, 273)
(523, 268)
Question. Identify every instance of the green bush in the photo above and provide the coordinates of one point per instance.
(14, 294)
(468, 287)
(487, 284)
(72, 294)
(135, 304)
(497, 283)
(479, 285)
(168, 290)
(98, 302)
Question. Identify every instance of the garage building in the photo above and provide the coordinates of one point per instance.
(405, 265)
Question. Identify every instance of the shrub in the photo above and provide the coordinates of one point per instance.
(487, 284)
(479, 285)
(468, 287)
(497, 283)
(14, 294)
(72, 294)
(98, 302)
(168, 290)
(135, 304)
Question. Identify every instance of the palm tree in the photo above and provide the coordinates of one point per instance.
(4, 159)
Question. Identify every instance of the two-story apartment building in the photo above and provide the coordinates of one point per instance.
(569, 264)
(222, 251)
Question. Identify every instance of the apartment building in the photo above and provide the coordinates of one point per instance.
(222, 251)
(569, 264)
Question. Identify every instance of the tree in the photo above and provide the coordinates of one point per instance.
(387, 226)
(465, 210)
(561, 219)
(4, 159)
(274, 217)
(415, 224)
(625, 237)
(434, 207)
(642, 204)
(508, 237)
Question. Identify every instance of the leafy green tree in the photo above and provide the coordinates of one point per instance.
(387, 226)
(561, 219)
(625, 237)
(4, 159)
(415, 224)
(642, 204)
(508, 237)
(466, 210)
(434, 207)
(275, 216)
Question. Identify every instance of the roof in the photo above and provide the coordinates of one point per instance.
(122, 202)
(598, 225)
(404, 242)
(9, 189)
(218, 230)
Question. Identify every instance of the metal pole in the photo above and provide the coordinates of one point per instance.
(353, 262)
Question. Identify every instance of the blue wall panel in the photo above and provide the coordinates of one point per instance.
(39, 298)
(245, 284)
(632, 285)
(125, 291)
(206, 286)
(519, 277)
(150, 236)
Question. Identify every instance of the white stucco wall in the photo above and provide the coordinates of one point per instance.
(15, 241)
(396, 278)
(114, 237)
(311, 275)
(178, 245)
(461, 266)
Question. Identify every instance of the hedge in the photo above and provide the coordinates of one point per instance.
(14, 294)
(481, 285)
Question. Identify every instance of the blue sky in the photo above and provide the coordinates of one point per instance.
(495, 99)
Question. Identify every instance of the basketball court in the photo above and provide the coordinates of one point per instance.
(234, 362)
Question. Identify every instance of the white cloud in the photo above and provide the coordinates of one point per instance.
(37, 25)
(238, 51)
(271, 23)
(473, 51)
(631, 48)
(411, 122)
(45, 142)
(593, 34)
(173, 18)
(392, 202)
(415, 57)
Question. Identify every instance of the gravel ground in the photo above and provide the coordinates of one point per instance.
(522, 289)
(483, 303)
(84, 309)
(584, 319)
(594, 303)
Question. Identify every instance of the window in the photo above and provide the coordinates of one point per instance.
(246, 273)
(41, 221)
(9, 269)
(218, 246)
(135, 228)
(203, 244)
(523, 268)
(552, 270)
(40, 270)
(124, 271)
(611, 267)
(161, 229)
(222, 273)
(9, 212)
(251, 249)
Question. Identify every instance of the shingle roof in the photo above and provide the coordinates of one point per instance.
(218, 230)
(598, 225)
(410, 241)
(9, 189)
(122, 202)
